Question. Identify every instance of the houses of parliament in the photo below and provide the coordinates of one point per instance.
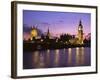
(78, 38)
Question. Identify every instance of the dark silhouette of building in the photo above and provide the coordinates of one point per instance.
(48, 33)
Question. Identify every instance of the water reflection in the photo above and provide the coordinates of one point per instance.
(80, 56)
(38, 60)
(69, 56)
(48, 57)
(35, 58)
(57, 58)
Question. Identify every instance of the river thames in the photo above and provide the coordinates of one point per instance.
(70, 57)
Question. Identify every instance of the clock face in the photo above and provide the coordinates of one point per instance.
(79, 28)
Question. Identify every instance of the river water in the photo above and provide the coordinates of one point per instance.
(70, 57)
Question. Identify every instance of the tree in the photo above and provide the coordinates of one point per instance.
(65, 37)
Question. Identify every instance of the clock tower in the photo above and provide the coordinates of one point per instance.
(80, 33)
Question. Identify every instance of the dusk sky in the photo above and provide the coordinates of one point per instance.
(57, 22)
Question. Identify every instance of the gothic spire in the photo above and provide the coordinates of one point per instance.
(48, 32)
(80, 23)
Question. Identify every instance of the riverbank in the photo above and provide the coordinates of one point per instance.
(51, 46)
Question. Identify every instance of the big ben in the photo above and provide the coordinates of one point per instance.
(80, 33)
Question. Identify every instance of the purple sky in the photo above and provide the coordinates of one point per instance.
(58, 22)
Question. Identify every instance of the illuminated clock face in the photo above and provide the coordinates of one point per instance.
(79, 28)
(34, 33)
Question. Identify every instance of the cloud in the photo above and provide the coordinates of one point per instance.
(61, 21)
(45, 23)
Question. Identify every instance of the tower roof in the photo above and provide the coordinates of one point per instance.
(80, 23)
(48, 32)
